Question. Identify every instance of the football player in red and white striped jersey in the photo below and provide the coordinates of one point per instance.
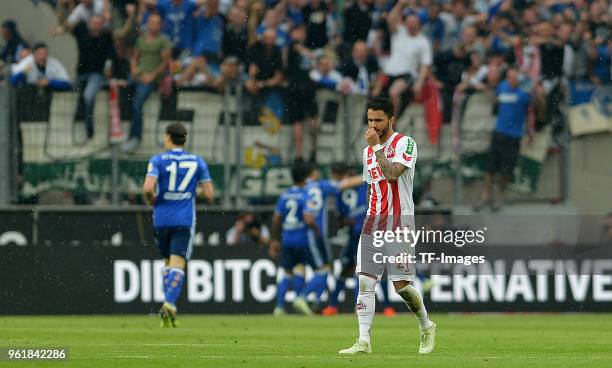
(389, 161)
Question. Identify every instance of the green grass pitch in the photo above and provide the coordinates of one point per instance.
(481, 340)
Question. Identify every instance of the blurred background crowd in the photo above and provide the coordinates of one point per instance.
(403, 50)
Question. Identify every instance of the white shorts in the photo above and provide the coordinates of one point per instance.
(395, 257)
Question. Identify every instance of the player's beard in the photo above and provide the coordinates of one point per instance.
(384, 131)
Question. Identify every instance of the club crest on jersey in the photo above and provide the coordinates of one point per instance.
(360, 305)
(390, 152)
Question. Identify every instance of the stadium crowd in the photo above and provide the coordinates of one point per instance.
(405, 50)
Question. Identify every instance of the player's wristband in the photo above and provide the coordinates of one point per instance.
(377, 148)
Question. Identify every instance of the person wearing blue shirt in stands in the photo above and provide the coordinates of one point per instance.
(178, 22)
(179, 177)
(209, 26)
(290, 226)
(513, 108)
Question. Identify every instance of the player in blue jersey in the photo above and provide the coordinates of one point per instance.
(318, 191)
(352, 205)
(174, 179)
(290, 226)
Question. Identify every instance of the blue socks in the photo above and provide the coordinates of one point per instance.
(317, 284)
(384, 285)
(321, 285)
(165, 274)
(298, 282)
(340, 285)
(282, 287)
(176, 276)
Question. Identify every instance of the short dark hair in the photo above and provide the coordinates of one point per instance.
(177, 133)
(38, 45)
(380, 103)
(311, 167)
(299, 172)
(339, 168)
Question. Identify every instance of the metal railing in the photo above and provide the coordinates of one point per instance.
(48, 150)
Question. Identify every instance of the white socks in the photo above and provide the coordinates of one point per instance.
(366, 305)
(413, 300)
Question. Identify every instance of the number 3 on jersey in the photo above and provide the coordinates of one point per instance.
(315, 199)
(191, 167)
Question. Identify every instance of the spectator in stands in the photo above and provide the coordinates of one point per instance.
(295, 12)
(357, 21)
(455, 21)
(254, 18)
(199, 74)
(600, 20)
(235, 37)
(565, 35)
(513, 104)
(248, 231)
(209, 27)
(300, 97)
(502, 36)
(320, 25)
(359, 71)
(149, 63)
(83, 12)
(13, 43)
(324, 75)
(551, 52)
(601, 53)
(230, 71)
(96, 49)
(474, 79)
(409, 64)
(177, 20)
(471, 41)
(265, 65)
(274, 19)
(41, 70)
(449, 67)
(433, 25)
(581, 42)
(125, 38)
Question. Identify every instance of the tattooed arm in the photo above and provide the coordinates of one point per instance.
(391, 171)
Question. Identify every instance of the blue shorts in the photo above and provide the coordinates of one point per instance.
(293, 256)
(320, 251)
(348, 255)
(174, 240)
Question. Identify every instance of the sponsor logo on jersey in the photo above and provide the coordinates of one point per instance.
(410, 146)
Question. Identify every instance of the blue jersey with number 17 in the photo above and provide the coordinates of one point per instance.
(291, 206)
(317, 192)
(178, 174)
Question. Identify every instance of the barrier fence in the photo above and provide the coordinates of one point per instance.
(49, 151)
